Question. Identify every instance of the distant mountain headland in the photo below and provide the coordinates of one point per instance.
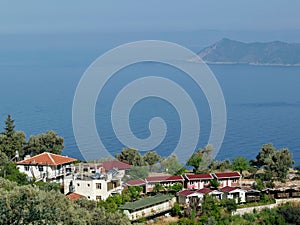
(228, 51)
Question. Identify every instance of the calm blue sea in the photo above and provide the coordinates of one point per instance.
(263, 102)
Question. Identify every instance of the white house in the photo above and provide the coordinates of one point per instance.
(94, 186)
(46, 166)
(185, 196)
(239, 195)
(217, 194)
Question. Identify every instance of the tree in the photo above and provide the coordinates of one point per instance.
(175, 187)
(137, 172)
(30, 205)
(48, 142)
(12, 141)
(214, 183)
(151, 158)
(230, 205)
(201, 159)
(171, 164)
(240, 164)
(158, 188)
(133, 192)
(275, 163)
(132, 156)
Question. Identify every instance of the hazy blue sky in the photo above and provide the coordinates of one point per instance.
(154, 15)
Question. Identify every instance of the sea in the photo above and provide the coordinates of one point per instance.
(38, 84)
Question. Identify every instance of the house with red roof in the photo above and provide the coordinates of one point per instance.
(197, 181)
(231, 179)
(138, 182)
(217, 194)
(74, 196)
(46, 166)
(164, 180)
(185, 196)
(238, 194)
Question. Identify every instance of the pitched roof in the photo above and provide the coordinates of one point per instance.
(47, 158)
(186, 192)
(228, 175)
(198, 176)
(136, 182)
(146, 202)
(74, 196)
(115, 164)
(204, 190)
(228, 189)
(164, 178)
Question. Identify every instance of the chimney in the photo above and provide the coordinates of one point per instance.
(27, 157)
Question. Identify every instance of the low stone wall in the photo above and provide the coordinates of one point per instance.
(243, 211)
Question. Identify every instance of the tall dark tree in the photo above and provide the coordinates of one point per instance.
(48, 142)
(131, 156)
(151, 158)
(12, 141)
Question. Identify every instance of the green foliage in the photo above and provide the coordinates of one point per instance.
(48, 186)
(30, 205)
(112, 203)
(229, 204)
(132, 156)
(151, 158)
(133, 192)
(171, 164)
(158, 188)
(201, 159)
(214, 183)
(48, 142)
(10, 172)
(220, 165)
(290, 213)
(11, 141)
(240, 164)
(137, 172)
(276, 163)
(210, 207)
(176, 209)
(175, 187)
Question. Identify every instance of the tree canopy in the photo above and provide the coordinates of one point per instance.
(132, 156)
(275, 163)
(240, 164)
(12, 141)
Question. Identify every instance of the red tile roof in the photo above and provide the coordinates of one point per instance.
(198, 176)
(115, 164)
(164, 178)
(74, 196)
(135, 182)
(204, 190)
(228, 189)
(228, 175)
(47, 158)
(185, 192)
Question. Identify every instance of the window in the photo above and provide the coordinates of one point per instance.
(98, 186)
(205, 181)
(88, 185)
(98, 197)
(78, 185)
(41, 168)
(26, 168)
(234, 180)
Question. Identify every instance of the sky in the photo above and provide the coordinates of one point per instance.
(35, 16)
